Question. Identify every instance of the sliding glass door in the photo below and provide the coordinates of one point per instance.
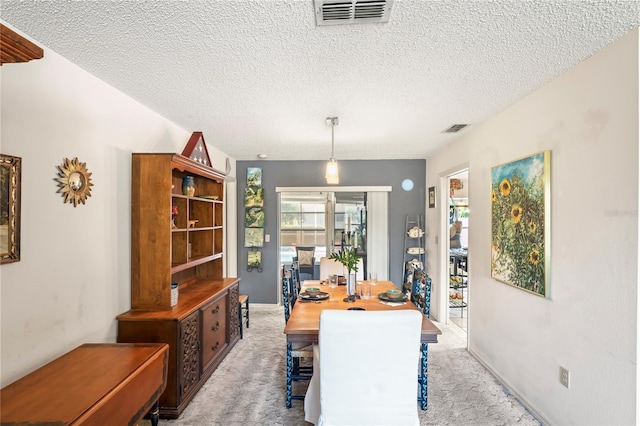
(322, 222)
(324, 219)
(303, 220)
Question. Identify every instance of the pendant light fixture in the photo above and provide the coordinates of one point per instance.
(332, 166)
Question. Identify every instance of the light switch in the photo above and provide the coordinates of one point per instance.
(267, 238)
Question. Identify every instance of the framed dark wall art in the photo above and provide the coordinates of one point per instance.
(432, 197)
(10, 192)
(520, 228)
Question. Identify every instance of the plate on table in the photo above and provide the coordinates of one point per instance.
(385, 298)
(320, 296)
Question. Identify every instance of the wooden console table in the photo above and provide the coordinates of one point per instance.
(94, 384)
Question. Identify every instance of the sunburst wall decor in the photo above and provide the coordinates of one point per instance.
(74, 181)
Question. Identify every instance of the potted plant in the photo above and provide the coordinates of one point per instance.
(349, 258)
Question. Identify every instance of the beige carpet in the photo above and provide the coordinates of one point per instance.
(248, 388)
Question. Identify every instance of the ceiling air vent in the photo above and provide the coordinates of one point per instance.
(455, 128)
(339, 12)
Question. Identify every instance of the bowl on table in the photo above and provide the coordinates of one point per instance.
(394, 294)
(313, 291)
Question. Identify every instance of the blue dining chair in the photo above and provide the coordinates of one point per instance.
(421, 297)
(295, 351)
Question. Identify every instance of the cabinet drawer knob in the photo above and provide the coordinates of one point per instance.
(216, 327)
(216, 310)
(215, 347)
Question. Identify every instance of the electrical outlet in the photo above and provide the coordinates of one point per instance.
(564, 377)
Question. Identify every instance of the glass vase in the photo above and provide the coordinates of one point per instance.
(351, 287)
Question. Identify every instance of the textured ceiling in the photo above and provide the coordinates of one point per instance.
(261, 77)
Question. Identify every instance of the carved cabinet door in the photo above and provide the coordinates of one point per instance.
(189, 354)
(234, 313)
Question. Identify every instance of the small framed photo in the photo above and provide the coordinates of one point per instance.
(432, 197)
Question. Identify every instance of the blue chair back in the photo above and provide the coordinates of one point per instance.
(421, 291)
(286, 294)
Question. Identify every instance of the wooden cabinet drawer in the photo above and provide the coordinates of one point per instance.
(214, 329)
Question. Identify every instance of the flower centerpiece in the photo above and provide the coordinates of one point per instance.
(349, 258)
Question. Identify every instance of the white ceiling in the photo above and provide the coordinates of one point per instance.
(261, 77)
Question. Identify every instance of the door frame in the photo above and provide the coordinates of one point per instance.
(280, 189)
(443, 247)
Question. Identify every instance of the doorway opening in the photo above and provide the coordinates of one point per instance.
(320, 223)
(327, 218)
(458, 242)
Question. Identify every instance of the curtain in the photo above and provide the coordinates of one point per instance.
(378, 234)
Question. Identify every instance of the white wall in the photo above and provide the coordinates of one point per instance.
(74, 274)
(588, 118)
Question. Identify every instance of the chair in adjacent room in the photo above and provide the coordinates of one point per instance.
(305, 256)
(365, 368)
(296, 352)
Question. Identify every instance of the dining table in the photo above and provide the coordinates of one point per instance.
(304, 322)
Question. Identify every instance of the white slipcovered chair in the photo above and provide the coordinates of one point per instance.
(331, 267)
(365, 369)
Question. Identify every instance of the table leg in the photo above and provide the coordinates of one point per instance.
(423, 377)
(154, 413)
(289, 372)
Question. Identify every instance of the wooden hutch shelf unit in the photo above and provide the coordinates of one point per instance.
(15, 48)
(204, 325)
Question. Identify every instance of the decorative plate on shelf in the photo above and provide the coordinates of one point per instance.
(208, 197)
(415, 232)
(415, 250)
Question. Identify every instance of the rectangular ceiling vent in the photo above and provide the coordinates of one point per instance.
(455, 128)
(340, 12)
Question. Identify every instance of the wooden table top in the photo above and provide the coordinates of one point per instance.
(304, 322)
(110, 383)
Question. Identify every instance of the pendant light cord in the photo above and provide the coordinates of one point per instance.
(333, 125)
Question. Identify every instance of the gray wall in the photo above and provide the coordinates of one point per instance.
(263, 287)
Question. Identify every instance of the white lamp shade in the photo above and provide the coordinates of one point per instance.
(332, 172)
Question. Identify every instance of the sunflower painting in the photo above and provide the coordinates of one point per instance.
(520, 212)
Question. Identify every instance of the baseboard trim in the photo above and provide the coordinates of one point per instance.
(505, 383)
